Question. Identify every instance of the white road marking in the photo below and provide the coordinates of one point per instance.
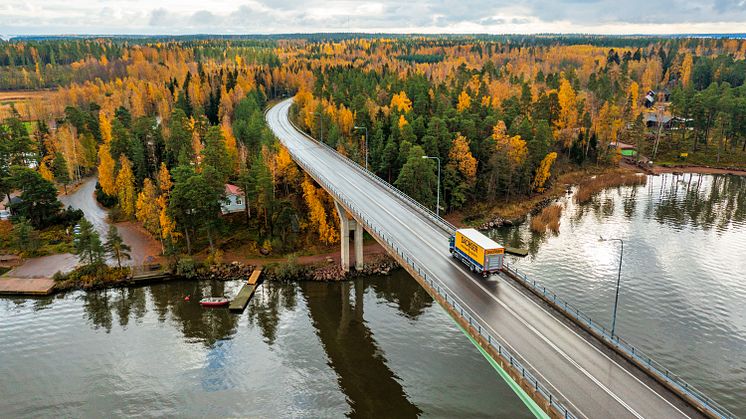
(510, 310)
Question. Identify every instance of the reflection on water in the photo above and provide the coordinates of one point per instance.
(373, 347)
(683, 274)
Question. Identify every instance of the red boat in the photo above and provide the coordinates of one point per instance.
(214, 302)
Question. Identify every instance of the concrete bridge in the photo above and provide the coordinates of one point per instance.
(554, 362)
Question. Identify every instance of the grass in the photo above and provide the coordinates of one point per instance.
(549, 218)
(517, 207)
(588, 189)
(671, 146)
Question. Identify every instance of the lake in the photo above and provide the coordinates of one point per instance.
(682, 297)
(374, 347)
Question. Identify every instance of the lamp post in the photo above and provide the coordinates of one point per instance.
(437, 200)
(618, 280)
(366, 144)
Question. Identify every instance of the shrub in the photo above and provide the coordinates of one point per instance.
(549, 217)
(186, 267)
(587, 190)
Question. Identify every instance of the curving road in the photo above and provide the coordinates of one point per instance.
(591, 382)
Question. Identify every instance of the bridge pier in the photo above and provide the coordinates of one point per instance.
(346, 225)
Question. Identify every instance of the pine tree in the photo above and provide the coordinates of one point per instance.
(88, 245)
(59, 168)
(115, 246)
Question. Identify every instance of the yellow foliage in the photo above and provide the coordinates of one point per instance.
(317, 213)
(465, 161)
(401, 102)
(147, 209)
(686, 69)
(45, 172)
(104, 124)
(106, 175)
(125, 187)
(543, 172)
(402, 121)
(287, 172)
(164, 179)
(464, 101)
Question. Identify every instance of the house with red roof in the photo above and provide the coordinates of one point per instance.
(235, 200)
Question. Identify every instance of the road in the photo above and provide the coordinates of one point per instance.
(590, 382)
(83, 198)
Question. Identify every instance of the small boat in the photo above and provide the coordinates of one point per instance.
(214, 302)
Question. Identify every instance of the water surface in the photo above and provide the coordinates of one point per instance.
(683, 286)
(377, 347)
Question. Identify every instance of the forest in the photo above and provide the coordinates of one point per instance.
(167, 122)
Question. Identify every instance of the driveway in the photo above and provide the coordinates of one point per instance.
(142, 244)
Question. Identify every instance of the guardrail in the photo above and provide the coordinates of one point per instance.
(439, 221)
(653, 367)
(437, 286)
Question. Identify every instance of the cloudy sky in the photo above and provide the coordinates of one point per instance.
(432, 16)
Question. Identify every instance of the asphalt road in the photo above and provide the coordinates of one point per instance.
(141, 243)
(591, 383)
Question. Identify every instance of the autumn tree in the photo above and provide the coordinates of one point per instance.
(568, 116)
(106, 171)
(125, 187)
(327, 231)
(543, 172)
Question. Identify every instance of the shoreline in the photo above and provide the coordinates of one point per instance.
(515, 213)
(286, 271)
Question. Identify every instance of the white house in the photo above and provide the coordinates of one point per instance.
(235, 200)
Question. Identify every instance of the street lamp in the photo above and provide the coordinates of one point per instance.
(437, 200)
(618, 279)
(366, 144)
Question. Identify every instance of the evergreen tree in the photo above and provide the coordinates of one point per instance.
(38, 200)
(115, 246)
(88, 245)
(59, 169)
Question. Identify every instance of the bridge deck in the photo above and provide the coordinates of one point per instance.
(590, 382)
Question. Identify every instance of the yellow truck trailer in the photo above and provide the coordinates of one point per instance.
(477, 251)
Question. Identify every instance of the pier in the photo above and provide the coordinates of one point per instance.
(241, 300)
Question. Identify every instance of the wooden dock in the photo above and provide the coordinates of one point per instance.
(241, 300)
(26, 286)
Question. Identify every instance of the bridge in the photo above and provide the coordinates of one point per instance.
(556, 362)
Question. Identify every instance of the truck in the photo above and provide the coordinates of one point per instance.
(477, 251)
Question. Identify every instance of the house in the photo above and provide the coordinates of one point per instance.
(651, 120)
(650, 99)
(235, 201)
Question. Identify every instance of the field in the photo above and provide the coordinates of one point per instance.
(23, 100)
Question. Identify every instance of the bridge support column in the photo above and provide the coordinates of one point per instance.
(347, 224)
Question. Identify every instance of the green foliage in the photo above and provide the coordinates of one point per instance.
(38, 199)
(88, 245)
(115, 246)
(187, 267)
(92, 277)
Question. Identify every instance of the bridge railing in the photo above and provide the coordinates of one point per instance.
(643, 360)
(437, 286)
(438, 220)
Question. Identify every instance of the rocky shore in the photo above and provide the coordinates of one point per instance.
(290, 271)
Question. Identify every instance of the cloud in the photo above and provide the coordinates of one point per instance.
(292, 16)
